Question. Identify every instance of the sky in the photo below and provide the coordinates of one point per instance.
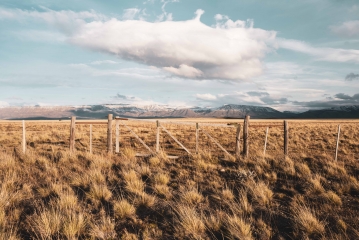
(289, 55)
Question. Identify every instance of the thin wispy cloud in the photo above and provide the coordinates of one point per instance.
(320, 54)
(346, 29)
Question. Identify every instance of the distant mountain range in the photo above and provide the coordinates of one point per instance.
(158, 111)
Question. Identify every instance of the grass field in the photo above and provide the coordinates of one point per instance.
(50, 193)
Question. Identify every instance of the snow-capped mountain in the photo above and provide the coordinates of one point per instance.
(164, 111)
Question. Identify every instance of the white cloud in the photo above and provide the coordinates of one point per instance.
(188, 49)
(206, 96)
(4, 104)
(323, 54)
(130, 13)
(67, 21)
(149, 2)
(165, 15)
(140, 73)
(348, 29)
(185, 71)
(103, 62)
(130, 99)
(7, 14)
(259, 98)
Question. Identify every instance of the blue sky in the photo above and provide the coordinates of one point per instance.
(289, 55)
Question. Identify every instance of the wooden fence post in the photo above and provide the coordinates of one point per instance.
(23, 137)
(117, 135)
(285, 137)
(90, 138)
(197, 132)
(265, 143)
(72, 134)
(238, 138)
(158, 137)
(245, 137)
(109, 134)
(336, 148)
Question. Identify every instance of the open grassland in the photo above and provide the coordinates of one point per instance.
(50, 193)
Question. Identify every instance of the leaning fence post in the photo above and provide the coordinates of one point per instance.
(245, 137)
(158, 137)
(197, 138)
(238, 138)
(72, 134)
(117, 134)
(336, 148)
(109, 134)
(90, 138)
(285, 137)
(265, 143)
(23, 137)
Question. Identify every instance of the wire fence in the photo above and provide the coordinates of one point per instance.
(185, 137)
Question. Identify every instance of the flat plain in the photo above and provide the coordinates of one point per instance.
(51, 193)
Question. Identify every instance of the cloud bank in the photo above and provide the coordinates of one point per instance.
(259, 98)
(340, 99)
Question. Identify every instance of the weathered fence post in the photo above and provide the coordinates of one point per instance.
(72, 134)
(285, 137)
(336, 148)
(197, 132)
(90, 138)
(158, 137)
(245, 137)
(117, 135)
(238, 138)
(109, 134)
(23, 137)
(265, 143)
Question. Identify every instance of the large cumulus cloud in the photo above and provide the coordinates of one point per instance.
(190, 49)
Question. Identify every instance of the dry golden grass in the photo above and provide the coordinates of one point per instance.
(191, 197)
(123, 209)
(189, 222)
(238, 228)
(50, 193)
(306, 221)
